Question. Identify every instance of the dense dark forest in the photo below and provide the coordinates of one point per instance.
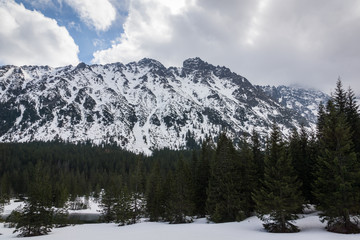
(273, 178)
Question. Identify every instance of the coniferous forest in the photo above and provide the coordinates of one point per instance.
(273, 178)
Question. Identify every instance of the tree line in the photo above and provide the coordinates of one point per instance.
(273, 178)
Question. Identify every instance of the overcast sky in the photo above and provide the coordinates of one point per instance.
(270, 42)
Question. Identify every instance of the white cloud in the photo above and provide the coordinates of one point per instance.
(146, 26)
(267, 41)
(99, 14)
(28, 37)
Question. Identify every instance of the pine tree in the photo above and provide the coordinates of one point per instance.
(180, 202)
(123, 210)
(345, 103)
(320, 121)
(338, 173)
(155, 196)
(249, 175)
(116, 202)
(258, 156)
(279, 197)
(137, 185)
(201, 179)
(110, 197)
(36, 217)
(302, 160)
(340, 98)
(353, 119)
(60, 194)
(226, 201)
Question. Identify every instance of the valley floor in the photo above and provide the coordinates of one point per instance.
(249, 229)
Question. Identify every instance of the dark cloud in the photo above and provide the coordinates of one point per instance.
(305, 42)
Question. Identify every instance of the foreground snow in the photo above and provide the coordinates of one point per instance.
(92, 206)
(249, 229)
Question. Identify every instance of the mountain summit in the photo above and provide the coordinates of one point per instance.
(140, 106)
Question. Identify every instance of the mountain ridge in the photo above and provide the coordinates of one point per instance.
(140, 106)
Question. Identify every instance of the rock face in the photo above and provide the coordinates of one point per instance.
(140, 106)
(303, 101)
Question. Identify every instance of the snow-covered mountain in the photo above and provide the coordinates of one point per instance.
(304, 101)
(140, 106)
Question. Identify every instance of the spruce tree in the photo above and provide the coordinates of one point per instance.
(353, 119)
(338, 173)
(257, 155)
(123, 209)
(302, 160)
(36, 217)
(279, 197)
(155, 196)
(320, 121)
(137, 184)
(180, 203)
(226, 201)
(249, 175)
(345, 103)
(60, 194)
(116, 202)
(339, 97)
(110, 197)
(201, 178)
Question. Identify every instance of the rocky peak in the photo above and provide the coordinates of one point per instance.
(196, 64)
(81, 65)
(151, 63)
(140, 106)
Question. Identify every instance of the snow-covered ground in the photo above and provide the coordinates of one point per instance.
(92, 207)
(249, 229)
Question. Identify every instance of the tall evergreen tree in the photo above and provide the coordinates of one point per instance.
(302, 160)
(258, 156)
(137, 182)
(60, 194)
(110, 198)
(249, 175)
(320, 121)
(226, 201)
(180, 202)
(279, 197)
(338, 173)
(124, 211)
(340, 98)
(36, 217)
(155, 198)
(353, 119)
(201, 178)
(345, 103)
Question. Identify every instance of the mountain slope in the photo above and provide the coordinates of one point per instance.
(139, 106)
(304, 101)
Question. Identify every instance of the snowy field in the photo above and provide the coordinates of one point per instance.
(249, 229)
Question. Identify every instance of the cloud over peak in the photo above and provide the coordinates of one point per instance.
(268, 41)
